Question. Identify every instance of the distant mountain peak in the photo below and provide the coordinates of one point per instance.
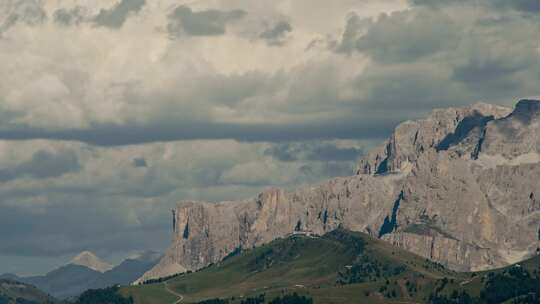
(90, 260)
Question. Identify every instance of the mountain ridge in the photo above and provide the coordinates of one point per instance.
(433, 186)
(79, 275)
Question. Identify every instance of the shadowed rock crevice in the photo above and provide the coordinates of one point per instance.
(185, 235)
(478, 147)
(390, 224)
(383, 167)
(298, 226)
(475, 121)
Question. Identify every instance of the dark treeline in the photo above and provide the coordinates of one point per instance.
(292, 299)
(260, 299)
(515, 284)
(103, 296)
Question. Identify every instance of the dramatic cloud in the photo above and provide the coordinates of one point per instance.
(68, 17)
(117, 15)
(29, 12)
(43, 164)
(183, 20)
(401, 37)
(150, 88)
(290, 152)
(276, 34)
(438, 53)
(530, 6)
(117, 199)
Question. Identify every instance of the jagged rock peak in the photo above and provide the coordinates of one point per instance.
(514, 138)
(90, 260)
(440, 130)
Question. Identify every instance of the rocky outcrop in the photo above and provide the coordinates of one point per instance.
(440, 130)
(459, 187)
(207, 232)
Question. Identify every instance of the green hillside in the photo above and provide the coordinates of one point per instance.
(340, 267)
(13, 292)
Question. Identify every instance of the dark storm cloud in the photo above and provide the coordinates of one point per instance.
(523, 6)
(440, 3)
(400, 37)
(495, 73)
(531, 6)
(68, 17)
(348, 128)
(29, 12)
(276, 34)
(118, 14)
(212, 22)
(314, 151)
(354, 29)
(43, 164)
(527, 6)
(406, 88)
(437, 55)
(70, 227)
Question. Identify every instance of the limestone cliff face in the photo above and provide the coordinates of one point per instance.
(460, 187)
(438, 131)
(207, 232)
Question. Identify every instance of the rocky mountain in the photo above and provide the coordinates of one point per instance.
(90, 260)
(87, 271)
(459, 187)
(65, 282)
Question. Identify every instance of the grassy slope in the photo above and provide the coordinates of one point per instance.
(13, 290)
(312, 262)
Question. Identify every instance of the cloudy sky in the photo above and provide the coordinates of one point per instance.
(113, 110)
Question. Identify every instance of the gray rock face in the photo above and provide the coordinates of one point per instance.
(460, 187)
(442, 129)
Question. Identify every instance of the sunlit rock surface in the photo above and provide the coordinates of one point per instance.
(461, 187)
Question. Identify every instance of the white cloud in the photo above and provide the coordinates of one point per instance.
(79, 76)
